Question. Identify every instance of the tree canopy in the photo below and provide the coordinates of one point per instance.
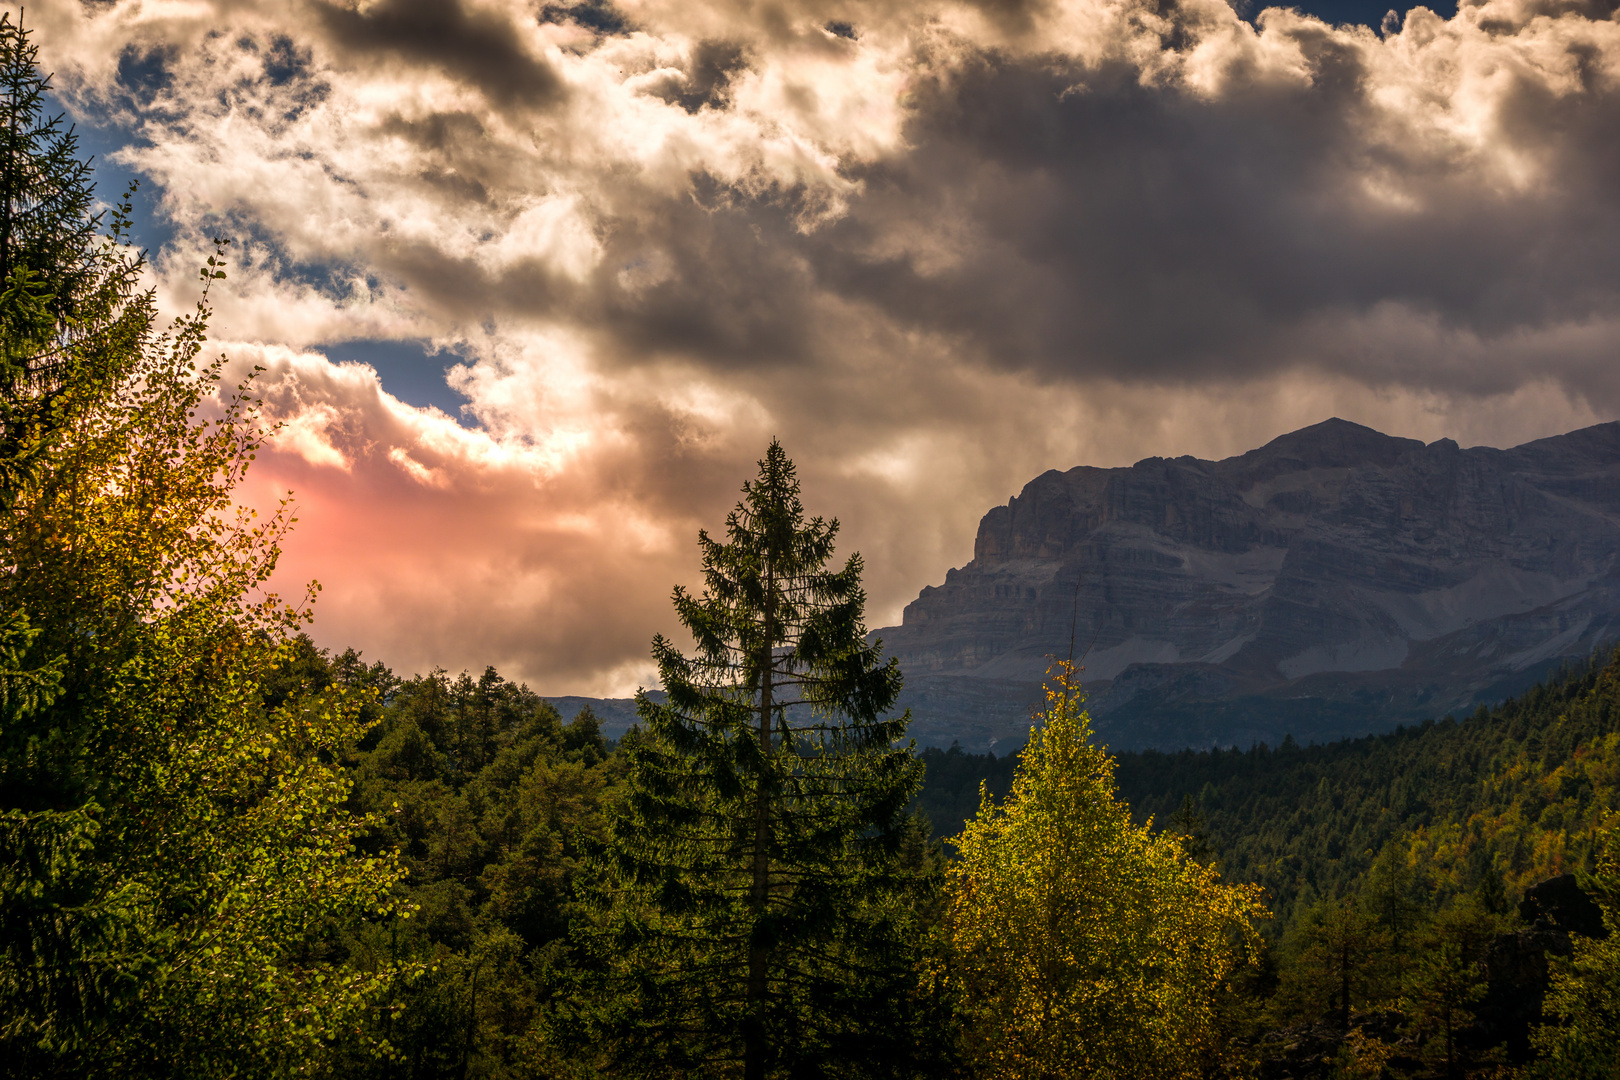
(173, 850)
(1086, 945)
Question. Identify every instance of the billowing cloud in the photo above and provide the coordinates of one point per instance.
(935, 247)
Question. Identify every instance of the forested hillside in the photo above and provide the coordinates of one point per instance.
(493, 801)
(1491, 803)
(1487, 805)
(1388, 844)
(1426, 884)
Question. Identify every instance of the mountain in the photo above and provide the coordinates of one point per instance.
(1334, 582)
(614, 715)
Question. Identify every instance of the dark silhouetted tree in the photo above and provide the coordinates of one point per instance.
(758, 917)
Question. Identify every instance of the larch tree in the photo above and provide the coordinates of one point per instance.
(1584, 997)
(757, 914)
(1085, 945)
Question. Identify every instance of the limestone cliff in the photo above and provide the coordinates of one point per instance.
(1335, 581)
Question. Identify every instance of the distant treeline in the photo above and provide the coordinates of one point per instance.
(1492, 803)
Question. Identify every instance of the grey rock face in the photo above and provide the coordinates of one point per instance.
(1335, 581)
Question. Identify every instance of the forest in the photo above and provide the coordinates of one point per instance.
(1484, 807)
(228, 852)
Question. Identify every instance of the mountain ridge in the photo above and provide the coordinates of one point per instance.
(1333, 582)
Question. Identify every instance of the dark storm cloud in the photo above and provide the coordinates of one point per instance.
(1064, 206)
(708, 77)
(1142, 230)
(1108, 222)
(734, 289)
(475, 46)
(1112, 224)
(1130, 229)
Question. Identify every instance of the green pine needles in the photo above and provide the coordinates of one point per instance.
(757, 905)
(66, 316)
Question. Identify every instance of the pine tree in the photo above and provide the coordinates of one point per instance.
(1340, 959)
(1394, 895)
(1446, 976)
(66, 320)
(757, 916)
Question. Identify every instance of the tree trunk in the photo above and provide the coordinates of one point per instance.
(1451, 1056)
(472, 1021)
(758, 954)
(7, 196)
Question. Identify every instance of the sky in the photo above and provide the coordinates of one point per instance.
(534, 284)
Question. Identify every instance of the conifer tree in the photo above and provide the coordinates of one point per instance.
(1340, 960)
(66, 321)
(757, 916)
(1394, 895)
(1446, 976)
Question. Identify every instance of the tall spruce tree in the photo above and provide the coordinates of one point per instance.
(758, 913)
(66, 323)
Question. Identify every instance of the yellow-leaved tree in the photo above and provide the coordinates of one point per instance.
(1585, 993)
(1086, 945)
(178, 858)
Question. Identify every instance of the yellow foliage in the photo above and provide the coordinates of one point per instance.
(1363, 1057)
(1585, 991)
(184, 852)
(1087, 946)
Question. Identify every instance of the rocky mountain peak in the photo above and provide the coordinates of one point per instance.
(1334, 580)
